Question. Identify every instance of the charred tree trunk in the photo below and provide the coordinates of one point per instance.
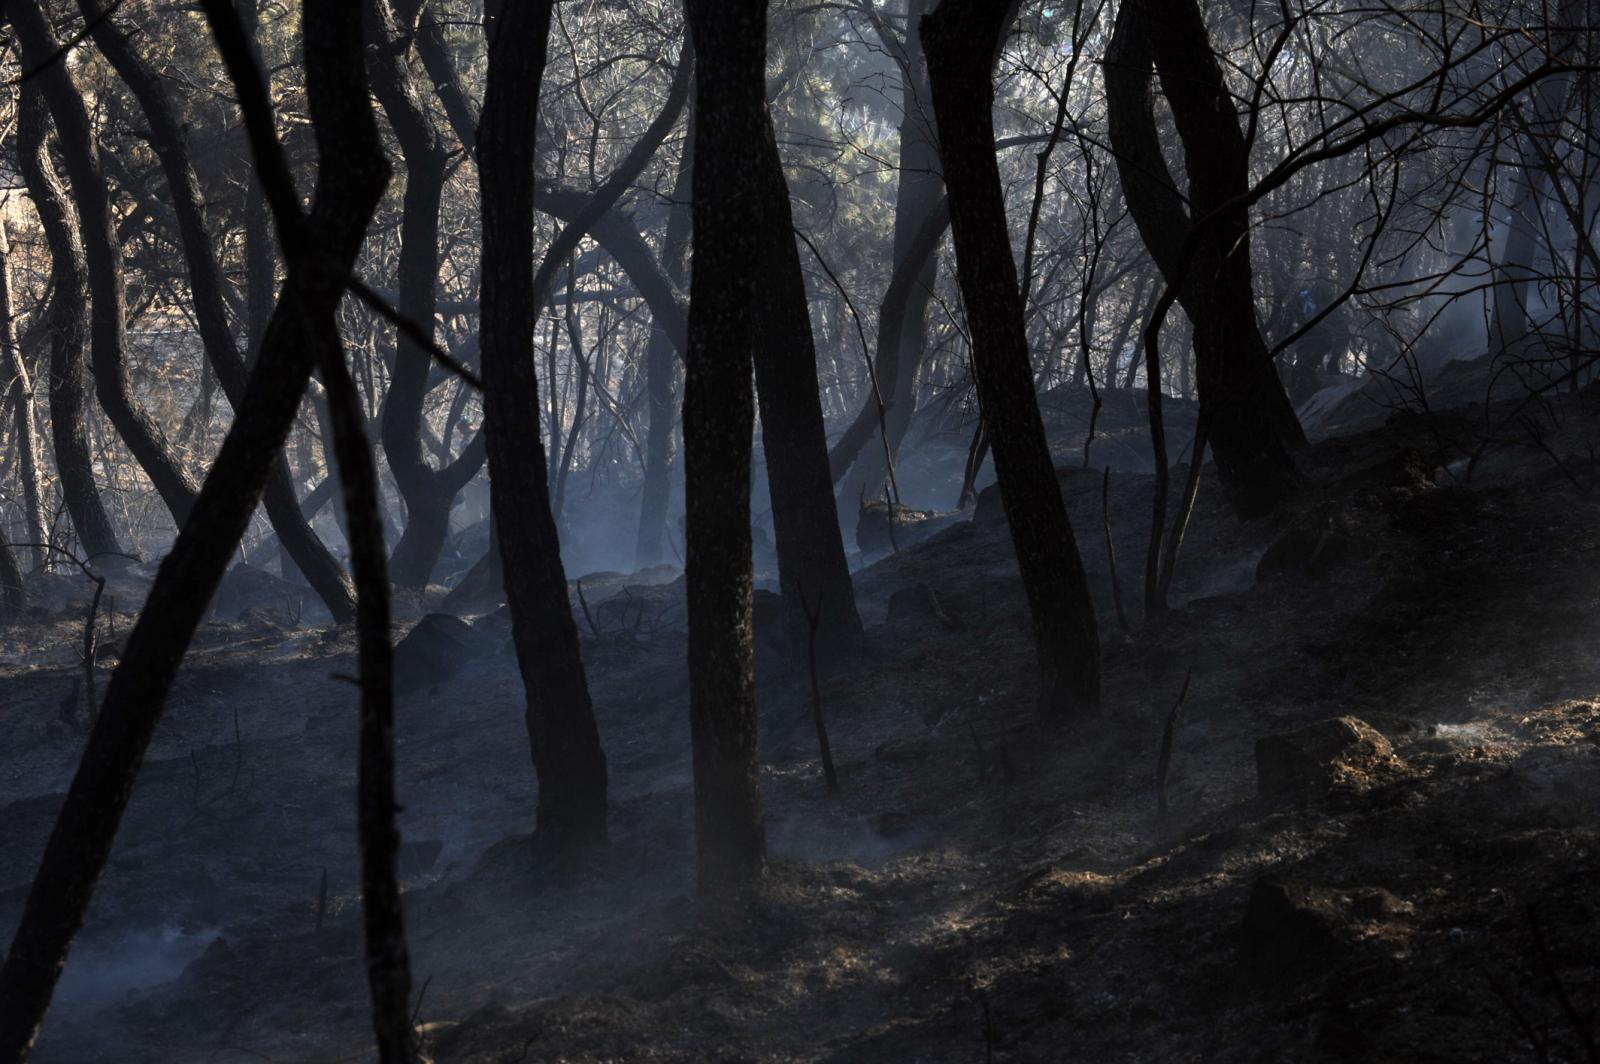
(18, 391)
(561, 728)
(107, 327)
(13, 595)
(429, 494)
(661, 375)
(351, 178)
(730, 127)
(1252, 425)
(811, 561)
(961, 38)
(67, 320)
(388, 960)
(166, 139)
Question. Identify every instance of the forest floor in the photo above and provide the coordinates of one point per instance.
(985, 888)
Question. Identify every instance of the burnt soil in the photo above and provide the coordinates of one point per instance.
(986, 888)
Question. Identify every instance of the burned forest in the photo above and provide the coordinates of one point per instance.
(929, 531)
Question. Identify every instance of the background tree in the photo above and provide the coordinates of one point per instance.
(67, 322)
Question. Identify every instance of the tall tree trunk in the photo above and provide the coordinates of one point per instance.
(961, 38)
(351, 178)
(388, 960)
(18, 391)
(67, 320)
(661, 374)
(561, 728)
(730, 127)
(107, 327)
(429, 494)
(166, 139)
(812, 571)
(1253, 429)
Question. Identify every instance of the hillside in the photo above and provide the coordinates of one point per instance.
(983, 888)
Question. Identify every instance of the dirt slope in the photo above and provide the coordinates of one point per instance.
(984, 889)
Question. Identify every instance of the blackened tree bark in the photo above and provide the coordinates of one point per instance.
(1253, 428)
(107, 327)
(811, 562)
(730, 128)
(429, 493)
(961, 37)
(67, 321)
(388, 961)
(352, 174)
(561, 728)
(166, 139)
(661, 374)
(13, 594)
(337, 90)
(17, 390)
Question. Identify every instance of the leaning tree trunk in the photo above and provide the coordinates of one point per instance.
(166, 138)
(812, 572)
(730, 127)
(108, 338)
(351, 178)
(1253, 428)
(960, 38)
(19, 393)
(561, 728)
(67, 321)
